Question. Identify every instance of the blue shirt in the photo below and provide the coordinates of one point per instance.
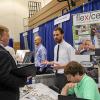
(40, 55)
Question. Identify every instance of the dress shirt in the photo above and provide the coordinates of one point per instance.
(11, 51)
(66, 54)
(40, 55)
(86, 88)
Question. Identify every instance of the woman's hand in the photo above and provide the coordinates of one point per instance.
(67, 87)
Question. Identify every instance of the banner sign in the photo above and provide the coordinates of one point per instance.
(62, 19)
(86, 18)
(35, 30)
(86, 32)
(25, 34)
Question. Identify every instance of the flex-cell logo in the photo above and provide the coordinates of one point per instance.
(88, 17)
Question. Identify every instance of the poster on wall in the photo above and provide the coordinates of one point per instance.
(86, 32)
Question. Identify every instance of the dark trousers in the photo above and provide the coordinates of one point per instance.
(60, 81)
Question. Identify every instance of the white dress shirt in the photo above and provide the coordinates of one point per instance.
(11, 51)
(66, 54)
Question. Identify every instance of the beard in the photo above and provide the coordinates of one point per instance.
(58, 40)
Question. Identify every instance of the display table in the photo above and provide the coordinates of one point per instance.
(38, 91)
(47, 79)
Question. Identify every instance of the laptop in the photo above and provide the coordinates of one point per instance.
(20, 54)
(61, 97)
(27, 58)
(25, 70)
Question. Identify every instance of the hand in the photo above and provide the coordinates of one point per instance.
(70, 85)
(47, 62)
(58, 66)
(29, 77)
(67, 87)
(92, 47)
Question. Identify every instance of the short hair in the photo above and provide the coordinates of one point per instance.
(59, 29)
(3, 29)
(74, 68)
(38, 37)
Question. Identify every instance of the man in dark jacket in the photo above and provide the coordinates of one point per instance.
(9, 82)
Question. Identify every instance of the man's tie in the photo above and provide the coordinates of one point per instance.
(57, 57)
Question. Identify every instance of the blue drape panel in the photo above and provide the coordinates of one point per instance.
(49, 28)
(22, 45)
(30, 39)
(46, 32)
(91, 6)
(76, 10)
(67, 26)
(42, 33)
(88, 7)
(96, 5)
(10, 42)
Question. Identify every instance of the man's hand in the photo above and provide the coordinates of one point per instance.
(29, 77)
(47, 62)
(58, 66)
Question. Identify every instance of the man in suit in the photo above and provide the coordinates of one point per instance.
(9, 82)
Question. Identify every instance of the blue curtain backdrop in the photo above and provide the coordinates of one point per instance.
(30, 39)
(96, 5)
(49, 27)
(22, 45)
(91, 6)
(11, 42)
(46, 32)
(67, 26)
(42, 33)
